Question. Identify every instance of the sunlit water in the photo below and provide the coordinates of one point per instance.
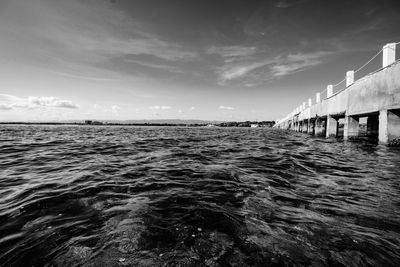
(130, 196)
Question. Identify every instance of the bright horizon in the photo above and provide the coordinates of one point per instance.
(189, 60)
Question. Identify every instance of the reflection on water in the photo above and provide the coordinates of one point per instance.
(129, 196)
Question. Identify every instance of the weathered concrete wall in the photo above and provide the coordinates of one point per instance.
(375, 92)
(338, 103)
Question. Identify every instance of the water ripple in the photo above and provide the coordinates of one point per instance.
(159, 196)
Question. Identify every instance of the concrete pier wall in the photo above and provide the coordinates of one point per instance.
(376, 93)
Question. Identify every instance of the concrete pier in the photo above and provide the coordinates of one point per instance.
(320, 127)
(350, 127)
(331, 126)
(374, 98)
(389, 126)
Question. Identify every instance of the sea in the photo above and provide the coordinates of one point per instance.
(195, 196)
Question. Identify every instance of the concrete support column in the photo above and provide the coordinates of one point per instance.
(318, 98)
(331, 126)
(350, 127)
(389, 126)
(319, 127)
(329, 91)
(389, 54)
(349, 78)
(310, 127)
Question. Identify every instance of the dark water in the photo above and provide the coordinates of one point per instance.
(115, 196)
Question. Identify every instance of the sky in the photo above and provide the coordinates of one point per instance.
(219, 60)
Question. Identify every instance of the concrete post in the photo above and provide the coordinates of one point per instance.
(319, 127)
(389, 54)
(389, 126)
(309, 102)
(349, 78)
(318, 97)
(350, 127)
(383, 129)
(331, 126)
(305, 126)
(310, 126)
(329, 91)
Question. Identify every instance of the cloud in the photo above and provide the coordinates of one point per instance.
(158, 66)
(89, 78)
(269, 68)
(115, 109)
(226, 108)
(230, 72)
(85, 40)
(232, 51)
(160, 107)
(10, 102)
(50, 101)
(297, 62)
(138, 46)
(5, 107)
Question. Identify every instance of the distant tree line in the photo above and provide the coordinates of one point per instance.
(247, 124)
(95, 123)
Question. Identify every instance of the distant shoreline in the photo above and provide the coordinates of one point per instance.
(103, 124)
(96, 123)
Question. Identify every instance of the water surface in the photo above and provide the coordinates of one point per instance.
(160, 196)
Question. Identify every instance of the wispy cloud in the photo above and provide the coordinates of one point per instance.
(269, 68)
(5, 107)
(226, 107)
(160, 107)
(230, 72)
(159, 66)
(137, 46)
(232, 51)
(297, 62)
(115, 109)
(81, 35)
(10, 102)
(82, 77)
